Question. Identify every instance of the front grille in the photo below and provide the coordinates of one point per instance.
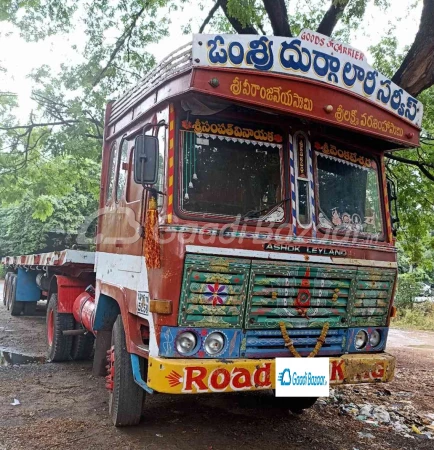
(270, 343)
(258, 295)
(372, 297)
(214, 291)
(300, 295)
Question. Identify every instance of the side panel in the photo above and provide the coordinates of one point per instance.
(27, 289)
(68, 289)
(129, 289)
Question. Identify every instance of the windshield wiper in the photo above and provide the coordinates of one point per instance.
(256, 214)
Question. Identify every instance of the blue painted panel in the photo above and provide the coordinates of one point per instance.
(352, 332)
(270, 343)
(27, 289)
(107, 310)
(231, 348)
(285, 353)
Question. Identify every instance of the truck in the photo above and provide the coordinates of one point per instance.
(245, 216)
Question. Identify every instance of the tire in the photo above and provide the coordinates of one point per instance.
(15, 306)
(5, 287)
(29, 308)
(82, 345)
(126, 397)
(295, 404)
(59, 346)
(8, 292)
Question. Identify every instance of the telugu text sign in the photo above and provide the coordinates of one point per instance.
(334, 64)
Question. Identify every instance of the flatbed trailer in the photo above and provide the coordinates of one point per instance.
(245, 216)
(30, 278)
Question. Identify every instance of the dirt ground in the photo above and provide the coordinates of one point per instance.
(62, 406)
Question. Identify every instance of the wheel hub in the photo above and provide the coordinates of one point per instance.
(109, 379)
(50, 328)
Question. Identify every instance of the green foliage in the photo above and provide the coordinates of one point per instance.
(385, 54)
(421, 317)
(23, 233)
(247, 11)
(52, 196)
(409, 287)
(415, 192)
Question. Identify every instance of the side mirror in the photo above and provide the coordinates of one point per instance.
(146, 159)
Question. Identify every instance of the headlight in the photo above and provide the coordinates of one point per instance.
(375, 338)
(214, 343)
(361, 339)
(186, 342)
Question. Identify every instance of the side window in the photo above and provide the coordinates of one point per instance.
(161, 163)
(111, 175)
(123, 169)
(301, 155)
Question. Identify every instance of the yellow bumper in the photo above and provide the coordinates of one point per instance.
(192, 376)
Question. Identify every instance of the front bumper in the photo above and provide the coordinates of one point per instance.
(192, 376)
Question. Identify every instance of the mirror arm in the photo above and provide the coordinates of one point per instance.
(152, 190)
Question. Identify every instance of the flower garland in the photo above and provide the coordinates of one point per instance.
(290, 345)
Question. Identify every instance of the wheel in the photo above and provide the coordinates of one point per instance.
(5, 287)
(29, 308)
(126, 397)
(295, 404)
(59, 346)
(82, 345)
(8, 287)
(15, 306)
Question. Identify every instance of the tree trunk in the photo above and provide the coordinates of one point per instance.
(417, 70)
(331, 17)
(278, 15)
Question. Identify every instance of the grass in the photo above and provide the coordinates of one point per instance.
(419, 317)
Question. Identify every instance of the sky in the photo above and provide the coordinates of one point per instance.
(19, 57)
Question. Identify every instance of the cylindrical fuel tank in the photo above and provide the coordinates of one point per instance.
(84, 310)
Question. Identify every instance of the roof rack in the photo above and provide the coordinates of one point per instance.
(175, 63)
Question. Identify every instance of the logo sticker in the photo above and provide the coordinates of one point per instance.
(302, 377)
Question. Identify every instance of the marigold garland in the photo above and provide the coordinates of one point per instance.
(151, 242)
(290, 345)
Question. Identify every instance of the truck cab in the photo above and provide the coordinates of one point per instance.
(245, 216)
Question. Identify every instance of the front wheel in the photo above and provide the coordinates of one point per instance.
(126, 397)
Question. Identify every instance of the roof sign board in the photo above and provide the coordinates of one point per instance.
(310, 55)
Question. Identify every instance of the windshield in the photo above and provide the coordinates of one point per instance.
(349, 196)
(229, 176)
